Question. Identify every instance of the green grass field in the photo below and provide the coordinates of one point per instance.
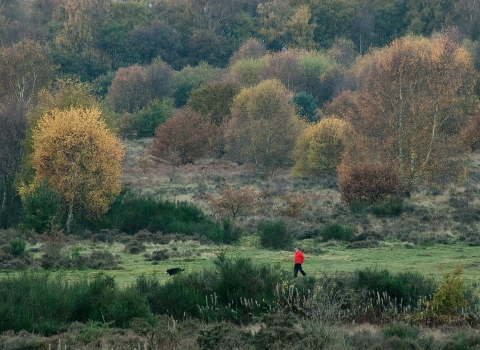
(330, 257)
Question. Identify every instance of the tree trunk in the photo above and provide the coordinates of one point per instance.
(70, 216)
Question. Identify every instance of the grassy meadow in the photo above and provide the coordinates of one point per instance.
(427, 237)
(321, 258)
(430, 235)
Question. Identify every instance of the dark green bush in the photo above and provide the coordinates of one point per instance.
(43, 304)
(337, 232)
(306, 107)
(17, 247)
(407, 287)
(237, 284)
(131, 213)
(101, 300)
(231, 234)
(241, 278)
(392, 206)
(179, 297)
(275, 235)
(41, 208)
(150, 117)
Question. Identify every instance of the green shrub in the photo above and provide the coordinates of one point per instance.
(93, 330)
(237, 290)
(241, 278)
(275, 235)
(179, 297)
(337, 232)
(392, 206)
(154, 114)
(17, 247)
(406, 287)
(43, 304)
(306, 106)
(357, 206)
(41, 208)
(231, 234)
(131, 213)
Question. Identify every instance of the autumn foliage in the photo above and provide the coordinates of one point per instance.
(414, 98)
(213, 101)
(234, 203)
(25, 69)
(252, 48)
(320, 147)
(134, 86)
(80, 158)
(263, 128)
(184, 138)
(471, 134)
(369, 182)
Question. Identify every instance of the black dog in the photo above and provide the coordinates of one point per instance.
(174, 271)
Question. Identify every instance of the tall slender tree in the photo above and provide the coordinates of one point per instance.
(414, 98)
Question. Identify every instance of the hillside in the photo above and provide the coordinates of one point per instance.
(444, 215)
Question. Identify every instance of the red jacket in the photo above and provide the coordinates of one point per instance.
(298, 257)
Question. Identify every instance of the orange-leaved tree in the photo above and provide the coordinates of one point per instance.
(184, 138)
(369, 182)
(414, 99)
(81, 159)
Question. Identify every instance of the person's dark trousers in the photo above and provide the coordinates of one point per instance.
(296, 268)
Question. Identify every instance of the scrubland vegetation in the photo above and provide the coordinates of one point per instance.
(215, 136)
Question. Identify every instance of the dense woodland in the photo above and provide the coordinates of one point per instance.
(375, 99)
(363, 86)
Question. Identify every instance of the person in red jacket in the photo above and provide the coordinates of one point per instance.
(298, 258)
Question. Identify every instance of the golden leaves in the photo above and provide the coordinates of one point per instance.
(79, 156)
(412, 98)
(320, 147)
(263, 127)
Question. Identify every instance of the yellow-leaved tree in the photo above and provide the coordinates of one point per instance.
(81, 159)
(320, 147)
(414, 98)
(263, 128)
